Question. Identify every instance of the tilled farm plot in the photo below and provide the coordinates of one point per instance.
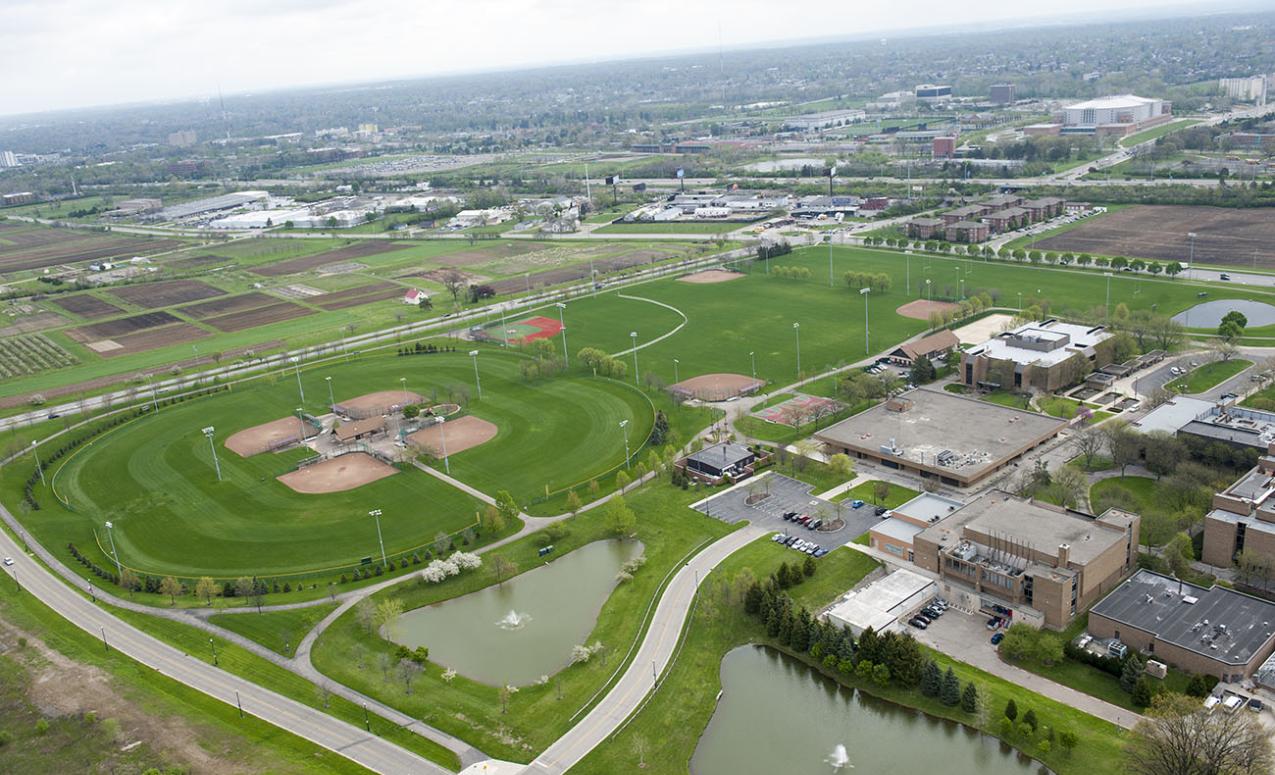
(227, 305)
(165, 294)
(113, 329)
(38, 249)
(306, 263)
(148, 340)
(260, 316)
(354, 297)
(87, 306)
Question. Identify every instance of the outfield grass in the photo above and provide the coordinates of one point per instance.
(279, 631)
(153, 478)
(537, 714)
(676, 715)
(1208, 376)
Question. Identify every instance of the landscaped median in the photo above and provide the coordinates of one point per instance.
(668, 728)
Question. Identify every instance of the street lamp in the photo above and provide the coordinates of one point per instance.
(624, 426)
(213, 643)
(376, 514)
(208, 432)
(331, 399)
(796, 329)
(866, 339)
(447, 466)
(296, 362)
(35, 448)
(633, 336)
(676, 378)
(478, 383)
(110, 535)
(566, 358)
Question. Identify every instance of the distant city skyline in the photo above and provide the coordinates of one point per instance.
(63, 54)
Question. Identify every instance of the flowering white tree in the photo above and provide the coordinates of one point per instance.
(448, 675)
(466, 560)
(434, 572)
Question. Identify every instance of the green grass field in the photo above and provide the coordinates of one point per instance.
(1208, 376)
(154, 477)
(279, 631)
(1157, 132)
(896, 496)
(670, 228)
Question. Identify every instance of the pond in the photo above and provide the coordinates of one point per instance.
(525, 629)
(1210, 313)
(778, 715)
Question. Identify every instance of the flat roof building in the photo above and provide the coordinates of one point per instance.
(1242, 519)
(1045, 355)
(896, 534)
(940, 435)
(1118, 114)
(883, 603)
(1223, 422)
(1032, 562)
(1214, 631)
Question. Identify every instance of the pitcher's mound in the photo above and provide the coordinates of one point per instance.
(921, 309)
(460, 434)
(710, 276)
(338, 474)
(717, 387)
(269, 436)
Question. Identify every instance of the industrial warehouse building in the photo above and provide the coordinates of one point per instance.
(1032, 562)
(939, 435)
(1214, 631)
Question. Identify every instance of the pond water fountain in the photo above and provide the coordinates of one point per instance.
(839, 759)
(513, 621)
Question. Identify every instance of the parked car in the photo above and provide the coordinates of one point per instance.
(8, 561)
(879, 510)
(820, 552)
(997, 638)
(993, 623)
(1255, 704)
(918, 623)
(855, 504)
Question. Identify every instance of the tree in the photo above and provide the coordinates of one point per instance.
(408, 670)
(1029, 718)
(205, 588)
(455, 283)
(622, 480)
(1089, 443)
(1178, 737)
(507, 506)
(1143, 692)
(503, 567)
(620, 518)
(171, 587)
(365, 613)
(880, 491)
(1068, 485)
(1130, 673)
(573, 502)
(1123, 445)
(1163, 452)
(922, 371)
(950, 693)
(1068, 739)
(1011, 710)
(931, 679)
(1230, 331)
(387, 611)
(243, 587)
(841, 465)
(969, 698)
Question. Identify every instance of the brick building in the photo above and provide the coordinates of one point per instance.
(1046, 356)
(925, 228)
(967, 231)
(1243, 516)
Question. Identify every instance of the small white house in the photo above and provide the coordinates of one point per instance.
(415, 296)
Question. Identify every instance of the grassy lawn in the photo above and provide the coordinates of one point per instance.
(1208, 376)
(778, 433)
(1262, 399)
(680, 709)
(1006, 398)
(864, 491)
(279, 631)
(709, 227)
(1066, 408)
(1097, 463)
(538, 713)
(1157, 132)
(73, 744)
(1137, 494)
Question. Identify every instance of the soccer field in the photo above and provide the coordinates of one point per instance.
(154, 477)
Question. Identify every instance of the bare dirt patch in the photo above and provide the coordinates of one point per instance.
(86, 306)
(153, 338)
(337, 474)
(112, 329)
(921, 309)
(489, 253)
(354, 297)
(461, 434)
(227, 305)
(268, 437)
(709, 276)
(1223, 235)
(25, 324)
(305, 263)
(260, 316)
(717, 387)
(380, 402)
(156, 295)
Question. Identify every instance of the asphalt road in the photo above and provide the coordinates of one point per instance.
(651, 659)
(318, 727)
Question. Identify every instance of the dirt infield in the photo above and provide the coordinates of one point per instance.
(717, 387)
(1225, 236)
(337, 474)
(460, 434)
(800, 409)
(921, 309)
(380, 402)
(709, 276)
(86, 306)
(268, 437)
(155, 295)
(305, 263)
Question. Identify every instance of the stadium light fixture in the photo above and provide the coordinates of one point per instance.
(447, 467)
(796, 329)
(35, 448)
(331, 400)
(633, 336)
(566, 358)
(208, 432)
(376, 514)
(110, 535)
(676, 377)
(867, 346)
(296, 363)
(624, 426)
(478, 383)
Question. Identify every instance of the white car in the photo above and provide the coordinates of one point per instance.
(8, 561)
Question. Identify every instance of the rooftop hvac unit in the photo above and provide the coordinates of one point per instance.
(946, 458)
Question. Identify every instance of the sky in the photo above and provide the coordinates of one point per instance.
(58, 54)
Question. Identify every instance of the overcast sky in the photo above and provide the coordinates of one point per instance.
(74, 53)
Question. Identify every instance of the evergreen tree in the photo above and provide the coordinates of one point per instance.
(753, 599)
(786, 626)
(951, 691)
(1130, 673)
(783, 577)
(931, 679)
(774, 617)
(1011, 710)
(808, 567)
(969, 698)
(869, 646)
(1029, 718)
(801, 631)
(1143, 692)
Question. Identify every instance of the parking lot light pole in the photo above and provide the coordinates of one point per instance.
(566, 357)
(376, 514)
(447, 466)
(110, 535)
(478, 383)
(796, 329)
(331, 399)
(624, 426)
(213, 643)
(296, 362)
(867, 346)
(208, 432)
(35, 449)
(636, 381)
(402, 383)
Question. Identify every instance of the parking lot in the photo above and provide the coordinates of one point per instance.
(787, 494)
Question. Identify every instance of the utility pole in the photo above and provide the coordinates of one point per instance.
(752, 356)
(447, 466)
(796, 329)
(296, 362)
(119, 570)
(35, 449)
(624, 426)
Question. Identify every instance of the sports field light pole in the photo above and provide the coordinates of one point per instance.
(447, 466)
(796, 329)
(216, 464)
(35, 448)
(154, 398)
(1108, 276)
(402, 383)
(110, 535)
(376, 514)
(828, 238)
(624, 426)
(636, 381)
(867, 348)
(566, 358)
(1191, 260)
(296, 362)
(676, 378)
(331, 400)
(929, 295)
(478, 383)
(752, 357)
